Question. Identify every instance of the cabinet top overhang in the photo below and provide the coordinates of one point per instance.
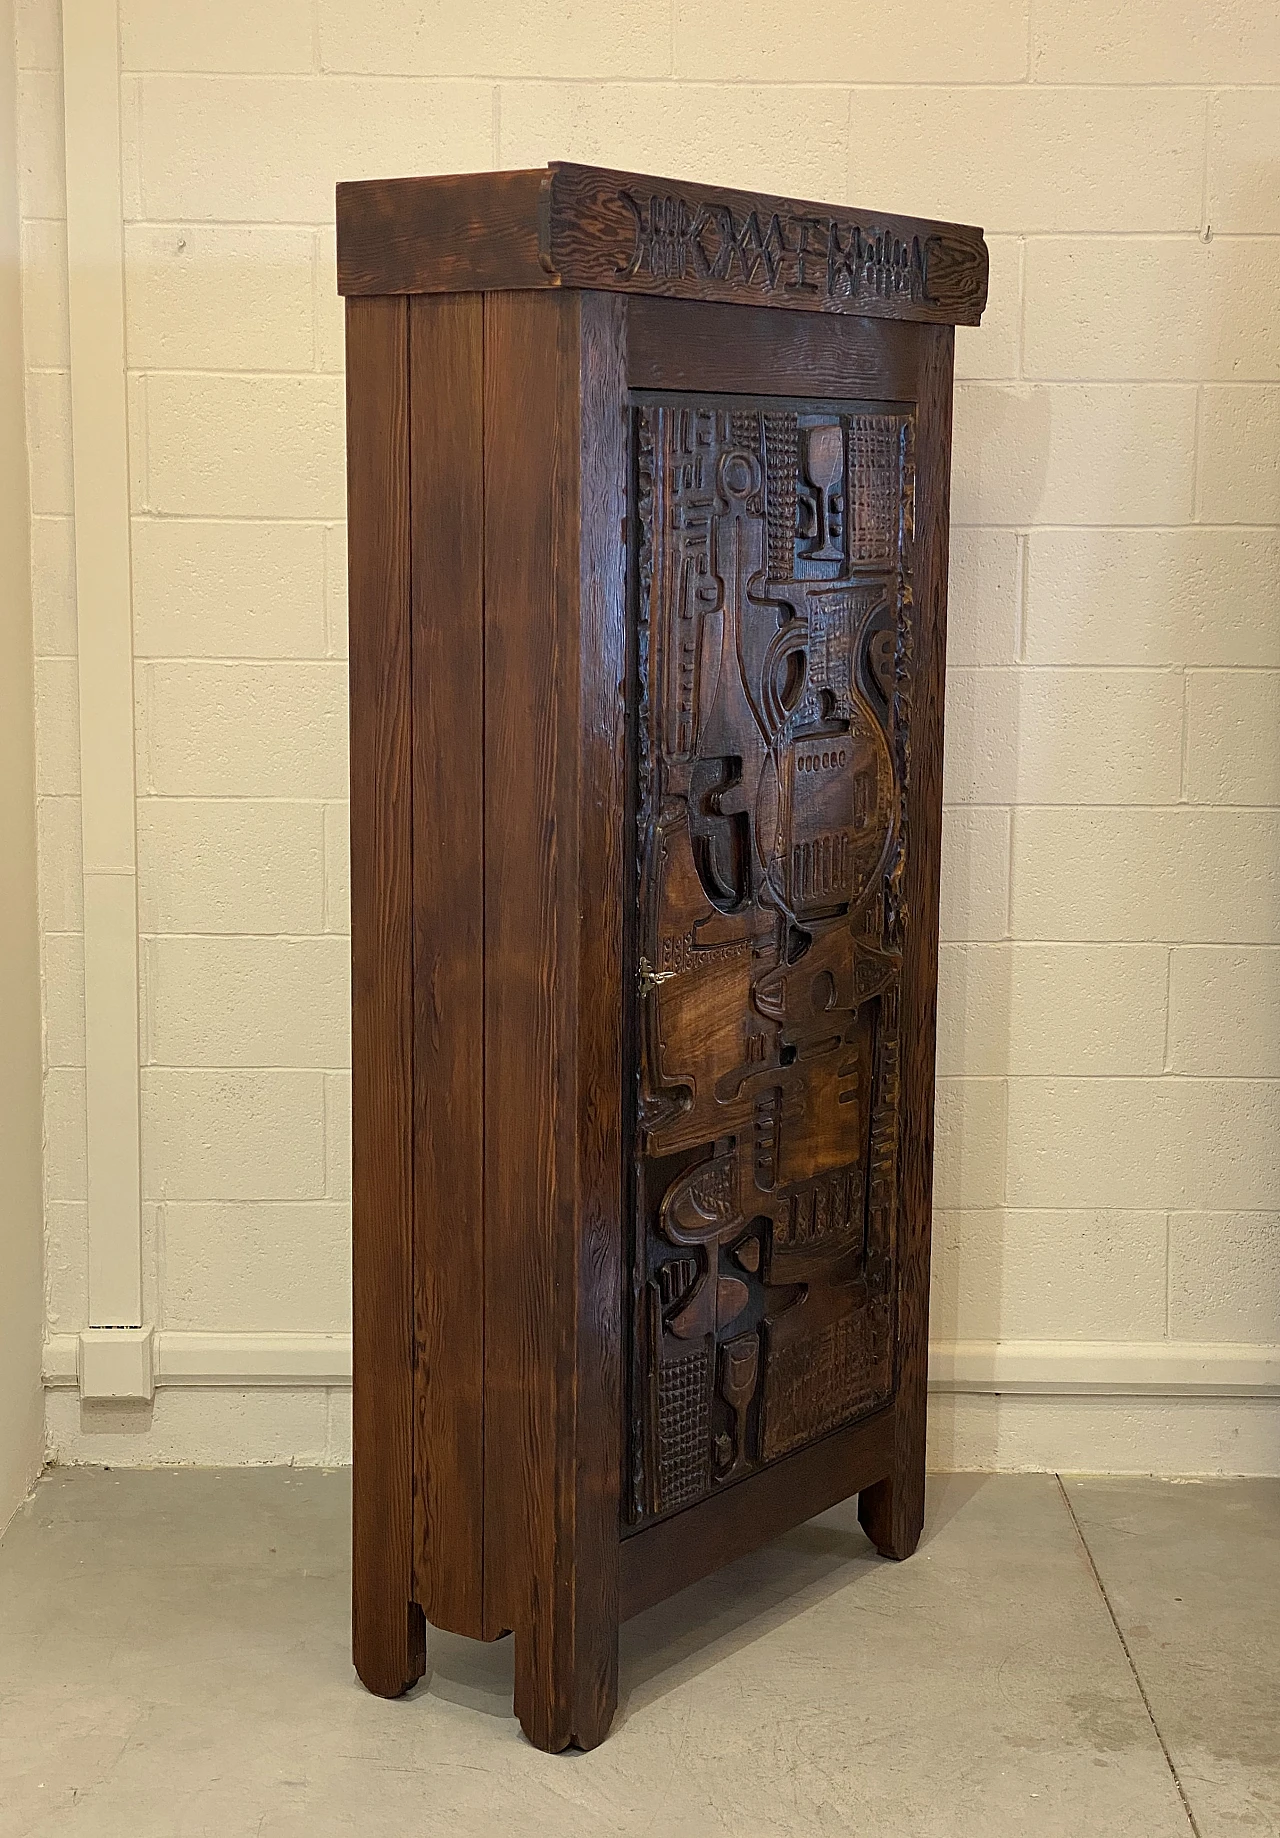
(585, 227)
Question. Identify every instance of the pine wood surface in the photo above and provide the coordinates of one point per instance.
(590, 228)
(648, 614)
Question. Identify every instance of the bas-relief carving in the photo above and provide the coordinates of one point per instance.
(816, 258)
(774, 655)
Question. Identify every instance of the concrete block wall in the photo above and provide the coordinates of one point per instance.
(1108, 1170)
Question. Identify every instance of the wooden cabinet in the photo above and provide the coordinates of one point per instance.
(648, 552)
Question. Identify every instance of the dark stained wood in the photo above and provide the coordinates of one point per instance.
(530, 432)
(667, 1557)
(457, 233)
(648, 609)
(554, 603)
(687, 345)
(704, 242)
(387, 1625)
(528, 451)
(585, 227)
(601, 637)
(775, 620)
(892, 1512)
(446, 368)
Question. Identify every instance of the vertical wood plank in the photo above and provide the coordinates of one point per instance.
(446, 352)
(554, 622)
(531, 494)
(388, 1635)
(892, 1512)
(603, 884)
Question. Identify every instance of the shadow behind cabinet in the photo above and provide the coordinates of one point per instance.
(648, 548)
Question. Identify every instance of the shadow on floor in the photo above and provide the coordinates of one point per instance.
(174, 1661)
(679, 1639)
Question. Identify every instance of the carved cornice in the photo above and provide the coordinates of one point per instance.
(696, 242)
(587, 227)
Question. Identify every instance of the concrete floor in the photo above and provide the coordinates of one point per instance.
(1103, 1661)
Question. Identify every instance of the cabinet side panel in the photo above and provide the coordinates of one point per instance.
(602, 880)
(531, 891)
(893, 1512)
(387, 1627)
(447, 500)
(555, 586)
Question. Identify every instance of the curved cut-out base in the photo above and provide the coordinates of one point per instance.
(387, 1662)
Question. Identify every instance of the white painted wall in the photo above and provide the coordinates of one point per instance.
(21, 1298)
(1108, 1187)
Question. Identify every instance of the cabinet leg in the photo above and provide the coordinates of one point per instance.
(596, 1697)
(389, 1650)
(892, 1512)
(564, 1697)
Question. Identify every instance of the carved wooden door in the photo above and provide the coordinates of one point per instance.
(772, 609)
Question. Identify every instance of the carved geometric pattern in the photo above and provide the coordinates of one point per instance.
(772, 569)
(807, 258)
(815, 1385)
(684, 1445)
(781, 447)
(819, 1213)
(875, 443)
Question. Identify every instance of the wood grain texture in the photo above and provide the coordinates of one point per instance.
(457, 233)
(774, 623)
(701, 242)
(508, 785)
(667, 1557)
(553, 645)
(387, 1626)
(446, 359)
(892, 1512)
(530, 433)
(586, 227)
(682, 344)
(602, 882)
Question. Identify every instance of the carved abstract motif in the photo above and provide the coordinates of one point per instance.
(875, 469)
(739, 1366)
(822, 1377)
(637, 234)
(780, 251)
(773, 628)
(683, 1424)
